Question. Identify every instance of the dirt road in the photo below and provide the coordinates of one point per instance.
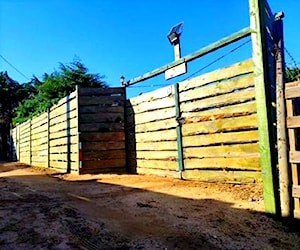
(43, 210)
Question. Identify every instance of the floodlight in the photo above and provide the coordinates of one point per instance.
(175, 33)
(122, 80)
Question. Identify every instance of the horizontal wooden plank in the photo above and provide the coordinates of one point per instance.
(103, 100)
(64, 141)
(72, 114)
(223, 163)
(218, 88)
(63, 157)
(101, 127)
(101, 91)
(149, 105)
(39, 142)
(64, 100)
(93, 109)
(153, 95)
(293, 122)
(296, 191)
(40, 120)
(63, 133)
(113, 170)
(157, 172)
(73, 123)
(109, 163)
(292, 92)
(106, 117)
(223, 112)
(294, 156)
(62, 166)
(39, 159)
(157, 155)
(164, 135)
(43, 152)
(157, 146)
(98, 136)
(220, 125)
(64, 148)
(290, 85)
(40, 164)
(250, 150)
(96, 146)
(221, 138)
(103, 155)
(156, 125)
(157, 164)
(151, 116)
(218, 101)
(223, 176)
(38, 130)
(237, 69)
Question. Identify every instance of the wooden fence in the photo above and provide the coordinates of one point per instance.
(204, 128)
(74, 135)
(292, 93)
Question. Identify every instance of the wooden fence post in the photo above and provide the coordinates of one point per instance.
(48, 139)
(30, 148)
(284, 171)
(259, 50)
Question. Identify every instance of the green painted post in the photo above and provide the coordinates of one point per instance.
(259, 50)
(180, 159)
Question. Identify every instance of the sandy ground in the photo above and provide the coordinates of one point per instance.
(40, 209)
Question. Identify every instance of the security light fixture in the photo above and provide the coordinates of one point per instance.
(175, 34)
(174, 39)
(122, 80)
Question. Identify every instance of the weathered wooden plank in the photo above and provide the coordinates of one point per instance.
(218, 101)
(164, 135)
(237, 69)
(151, 96)
(43, 164)
(156, 146)
(63, 109)
(292, 85)
(157, 155)
(72, 114)
(119, 170)
(73, 148)
(63, 157)
(41, 152)
(223, 176)
(108, 163)
(39, 141)
(218, 88)
(150, 105)
(220, 125)
(106, 117)
(157, 172)
(63, 141)
(101, 91)
(293, 121)
(64, 100)
(96, 146)
(292, 92)
(223, 112)
(101, 127)
(98, 136)
(63, 133)
(62, 166)
(39, 120)
(103, 155)
(100, 109)
(157, 164)
(296, 191)
(156, 125)
(63, 126)
(40, 129)
(238, 150)
(151, 116)
(103, 100)
(223, 163)
(221, 138)
(295, 156)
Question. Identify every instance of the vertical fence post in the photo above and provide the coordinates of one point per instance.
(284, 171)
(180, 159)
(19, 155)
(259, 50)
(48, 138)
(30, 142)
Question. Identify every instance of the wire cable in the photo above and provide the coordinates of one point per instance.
(11, 65)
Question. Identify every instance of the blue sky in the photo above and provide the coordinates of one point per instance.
(126, 37)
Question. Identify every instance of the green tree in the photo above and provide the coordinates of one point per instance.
(292, 74)
(55, 86)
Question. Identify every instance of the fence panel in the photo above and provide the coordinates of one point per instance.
(101, 127)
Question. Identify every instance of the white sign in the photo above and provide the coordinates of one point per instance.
(175, 71)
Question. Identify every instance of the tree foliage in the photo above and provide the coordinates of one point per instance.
(292, 74)
(55, 86)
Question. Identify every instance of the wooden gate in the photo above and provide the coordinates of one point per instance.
(292, 93)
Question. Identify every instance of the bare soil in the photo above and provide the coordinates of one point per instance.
(41, 209)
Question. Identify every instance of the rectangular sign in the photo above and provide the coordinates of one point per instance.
(175, 71)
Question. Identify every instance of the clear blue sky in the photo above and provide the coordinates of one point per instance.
(127, 38)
